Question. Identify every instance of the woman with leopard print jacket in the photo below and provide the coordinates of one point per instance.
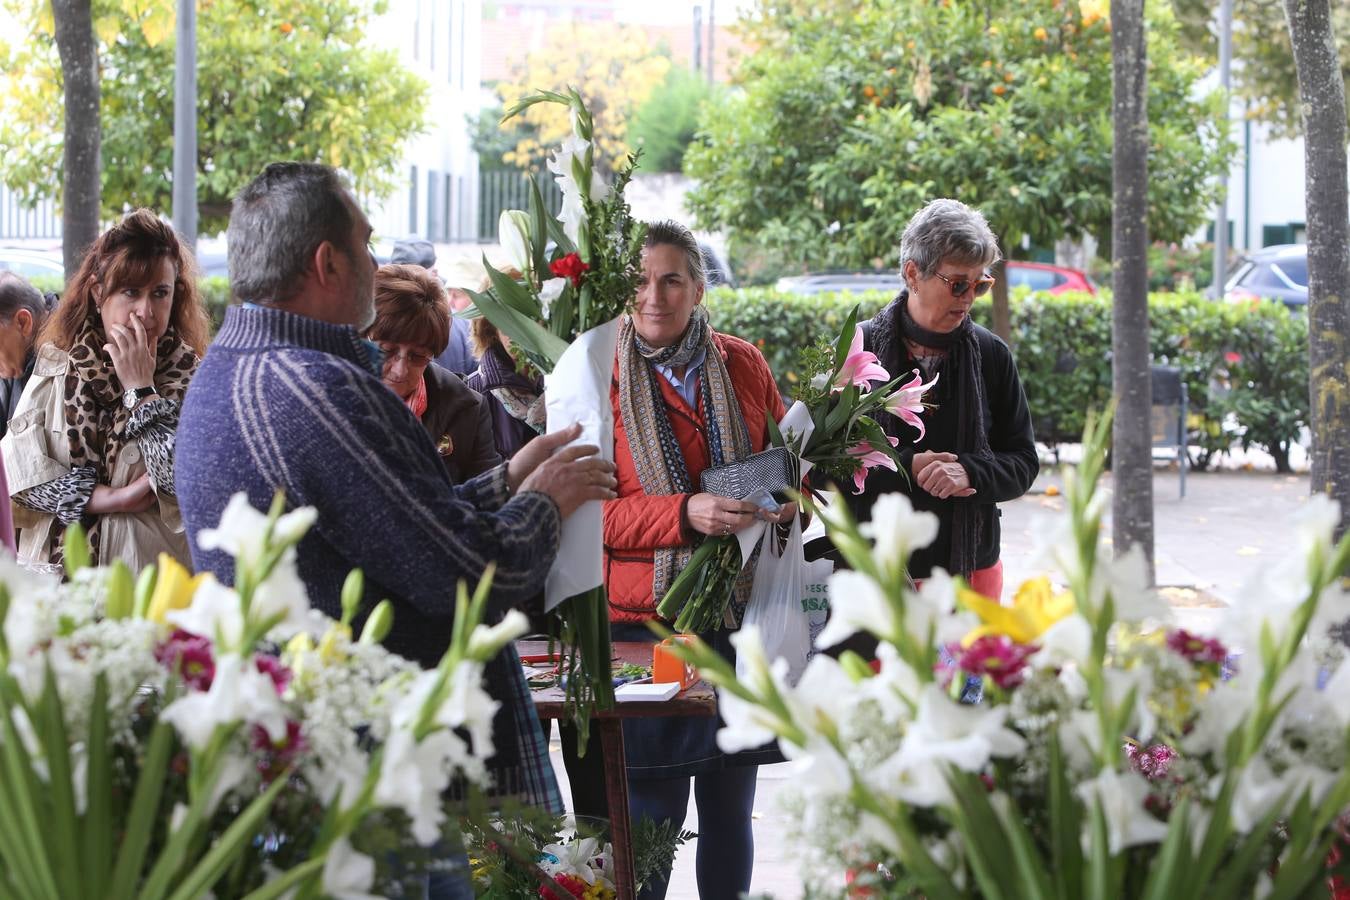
(92, 439)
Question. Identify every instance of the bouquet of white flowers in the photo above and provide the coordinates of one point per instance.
(1111, 754)
(173, 737)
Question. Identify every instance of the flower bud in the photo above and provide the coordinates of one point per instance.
(379, 623)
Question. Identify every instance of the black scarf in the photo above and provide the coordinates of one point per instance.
(964, 377)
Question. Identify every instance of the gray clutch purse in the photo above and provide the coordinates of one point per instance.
(771, 471)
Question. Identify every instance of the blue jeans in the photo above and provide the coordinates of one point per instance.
(726, 842)
(454, 881)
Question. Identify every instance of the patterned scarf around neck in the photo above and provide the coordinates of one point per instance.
(965, 380)
(96, 419)
(521, 397)
(660, 463)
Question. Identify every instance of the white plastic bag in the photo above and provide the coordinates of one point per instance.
(775, 604)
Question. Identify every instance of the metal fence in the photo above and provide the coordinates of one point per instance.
(510, 190)
(20, 222)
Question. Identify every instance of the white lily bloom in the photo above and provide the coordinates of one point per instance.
(895, 688)
(239, 693)
(575, 857)
(1121, 796)
(932, 610)
(513, 232)
(857, 603)
(1142, 721)
(470, 707)
(216, 612)
(241, 529)
(897, 530)
(1222, 710)
(348, 875)
(549, 292)
(823, 694)
(1080, 737)
(1134, 599)
(744, 725)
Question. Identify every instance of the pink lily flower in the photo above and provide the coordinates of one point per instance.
(870, 457)
(907, 402)
(861, 367)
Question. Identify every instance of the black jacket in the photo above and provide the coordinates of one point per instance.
(11, 389)
(459, 424)
(1007, 475)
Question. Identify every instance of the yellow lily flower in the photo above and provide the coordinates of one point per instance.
(1035, 607)
(174, 588)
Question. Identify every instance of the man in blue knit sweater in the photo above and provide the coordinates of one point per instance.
(289, 397)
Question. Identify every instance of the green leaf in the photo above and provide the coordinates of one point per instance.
(145, 590)
(24, 791)
(539, 217)
(142, 819)
(98, 817)
(62, 835)
(229, 845)
(273, 890)
(1066, 852)
(1168, 869)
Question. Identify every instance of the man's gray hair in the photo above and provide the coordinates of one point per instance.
(947, 230)
(17, 293)
(277, 223)
(670, 232)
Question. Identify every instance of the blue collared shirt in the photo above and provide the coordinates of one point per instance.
(687, 386)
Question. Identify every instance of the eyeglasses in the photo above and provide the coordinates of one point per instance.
(959, 286)
(411, 357)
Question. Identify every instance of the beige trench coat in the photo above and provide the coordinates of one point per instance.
(36, 450)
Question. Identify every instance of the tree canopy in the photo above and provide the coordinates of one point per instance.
(1263, 59)
(302, 85)
(614, 67)
(849, 116)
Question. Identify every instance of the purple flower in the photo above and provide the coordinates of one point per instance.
(998, 657)
(188, 655)
(271, 666)
(1195, 648)
(1153, 761)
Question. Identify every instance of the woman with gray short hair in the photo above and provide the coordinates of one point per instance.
(976, 447)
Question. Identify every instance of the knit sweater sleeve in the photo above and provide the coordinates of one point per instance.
(386, 503)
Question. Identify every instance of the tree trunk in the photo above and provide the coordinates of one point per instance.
(999, 297)
(1132, 443)
(80, 172)
(1322, 100)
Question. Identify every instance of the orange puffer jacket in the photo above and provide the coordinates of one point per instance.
(636, 524)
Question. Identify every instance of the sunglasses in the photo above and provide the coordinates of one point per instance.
(959, 286)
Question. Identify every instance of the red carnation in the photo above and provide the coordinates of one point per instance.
(567, 882)
(570, 266)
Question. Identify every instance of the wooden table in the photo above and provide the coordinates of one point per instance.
(698, 699)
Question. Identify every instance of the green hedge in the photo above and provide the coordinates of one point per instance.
(1246, 367)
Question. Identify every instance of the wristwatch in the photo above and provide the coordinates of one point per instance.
(132, 396)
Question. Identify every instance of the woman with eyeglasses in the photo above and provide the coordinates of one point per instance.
(976, 448)
(412, 324)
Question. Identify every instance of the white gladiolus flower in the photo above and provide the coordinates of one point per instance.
(745, 725)
(216, 612)
(857, 603)
(568, 169)
(241, 529)
(1067, 641)
(282, 594)
(549, 292)
(1259, 790)
(947, 733)
(348, 875)
(468, 706)
(485, 641)
(897, 530)
(513, 232)
(1120, 796)
(239, 693)
(932, 611)
(413, 775)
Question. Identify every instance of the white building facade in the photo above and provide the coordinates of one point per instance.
(440, 40)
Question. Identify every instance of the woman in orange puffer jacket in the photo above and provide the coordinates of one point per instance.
(685, 398)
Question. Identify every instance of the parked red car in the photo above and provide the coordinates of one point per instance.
(1048, 278)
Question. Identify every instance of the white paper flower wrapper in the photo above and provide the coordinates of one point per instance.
(577, 390)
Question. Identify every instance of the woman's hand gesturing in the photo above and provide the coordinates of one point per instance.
(132, 353)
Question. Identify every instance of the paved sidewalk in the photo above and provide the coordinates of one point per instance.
(1229, 525)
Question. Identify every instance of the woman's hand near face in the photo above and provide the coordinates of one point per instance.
(132, 353)
(712, 515)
